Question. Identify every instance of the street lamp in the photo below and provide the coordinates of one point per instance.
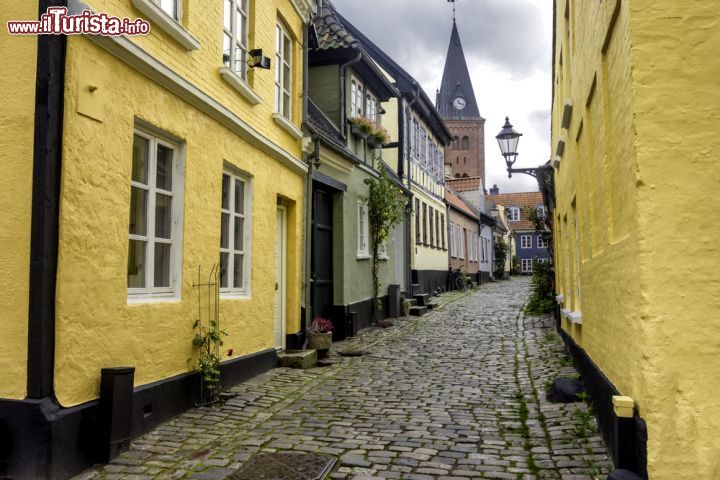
(508, 139)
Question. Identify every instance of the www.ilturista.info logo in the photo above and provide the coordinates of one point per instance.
(57, 22)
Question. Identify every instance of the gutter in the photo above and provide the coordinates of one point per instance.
(45, 210)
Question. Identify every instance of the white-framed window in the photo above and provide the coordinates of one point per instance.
(418, 239)
(235, 36)
(363, 235)
(453, 246)
(356, 98)
(283, 71)
(416, 139)
(235, 235)
(155, 218)
(424, 224)
(526, 241)
(432, 229)
(371, 107)
(383, 251)
(541, 243)
(541, 210)
(526, 265)
(171, 7)
(514, 214)
(461, 242)
(442, 229)
(423, 147)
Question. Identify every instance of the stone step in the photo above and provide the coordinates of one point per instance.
(422, 299)
(432, 305)
(297, 358)
(415, 287)
(412, 301)
(418, 311)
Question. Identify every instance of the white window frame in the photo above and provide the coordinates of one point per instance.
(513, 214)
(371, 107)
(461, 242)
(541, 243)
(423, 147)
(526, 265)
(245, 289)
(174, 9)
(239, 36)
(283, 61)
(453, 246)
(526, 242)
(363, 230)
(541, 210)
(357, 90)
(150, 292)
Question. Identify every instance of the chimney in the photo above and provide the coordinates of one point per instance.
(494, 190)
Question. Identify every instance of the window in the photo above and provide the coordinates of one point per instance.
(514, 214)
(526, 241)
(416, 139)
(283, 71)
(453, 247)
(442, 229)
(417, 221)
(472, 246)
(424, 223)
(527, 265)
(541, 243)
(432, 230)
(541, 210)
(482, 249)
(465, 143)
(235, 36)
(437, 229)
(423, 147)
(460, 235)
(235, 235)
(154, 227)
(171, 7)
(371, 108)
(356, 99)
(363, 249)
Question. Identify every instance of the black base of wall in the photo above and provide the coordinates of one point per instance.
(628, 453)
(348, 320)
(295, 341)
(484, 277)
(41, 440)
(430, 280)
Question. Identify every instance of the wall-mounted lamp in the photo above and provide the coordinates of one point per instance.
(258, 60)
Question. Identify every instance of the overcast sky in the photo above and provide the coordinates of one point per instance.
(508, 47)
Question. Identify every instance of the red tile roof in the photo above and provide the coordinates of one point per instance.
(467, 184)
(520, 200)
(459, 204)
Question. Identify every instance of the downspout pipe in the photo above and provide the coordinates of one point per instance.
(311, 159)
(343, 92)
(408, 222)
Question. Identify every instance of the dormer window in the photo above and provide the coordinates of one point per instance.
(514, 214)
(371, 108)
(356, 99)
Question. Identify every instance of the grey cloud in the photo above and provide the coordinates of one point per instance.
(503, 33)
(540, 122)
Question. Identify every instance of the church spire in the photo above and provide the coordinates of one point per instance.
(456, 99)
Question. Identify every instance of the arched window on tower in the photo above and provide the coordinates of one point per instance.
(456, 143)
(465, 143)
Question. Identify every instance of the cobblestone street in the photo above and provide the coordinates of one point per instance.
(457, 394)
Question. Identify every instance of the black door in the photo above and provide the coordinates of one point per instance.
(322, 265)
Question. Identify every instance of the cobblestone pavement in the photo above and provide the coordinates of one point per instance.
(457, 394)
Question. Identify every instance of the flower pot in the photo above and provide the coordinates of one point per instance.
(320, 341)
(359, 131)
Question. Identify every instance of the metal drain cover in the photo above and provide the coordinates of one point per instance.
(285, 466)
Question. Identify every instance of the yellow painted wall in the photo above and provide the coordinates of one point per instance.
(677, 124)
(638, 174)
(425, 257)
(16, 143)
(96, 327)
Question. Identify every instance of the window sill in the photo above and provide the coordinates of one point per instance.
(295, 132)
(141, 299)
(167, 24)
(560, 299)
(363, 256)
(383, 258)
(240, 85)
(234, 296)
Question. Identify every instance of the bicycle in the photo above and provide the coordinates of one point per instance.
(457, 279)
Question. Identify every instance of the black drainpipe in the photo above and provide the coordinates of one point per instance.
(47, 166)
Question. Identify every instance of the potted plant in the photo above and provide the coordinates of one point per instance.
(379, 137)
(361, 126)
(320, 336)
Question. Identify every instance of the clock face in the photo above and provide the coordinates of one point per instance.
(459, 103)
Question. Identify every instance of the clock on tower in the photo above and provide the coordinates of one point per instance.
(459, 103)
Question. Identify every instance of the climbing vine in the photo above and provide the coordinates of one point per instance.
(386, 207)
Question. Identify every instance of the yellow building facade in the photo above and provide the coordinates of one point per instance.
(636, 264)
(176, 155)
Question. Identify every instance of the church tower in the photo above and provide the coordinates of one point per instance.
(465, 156)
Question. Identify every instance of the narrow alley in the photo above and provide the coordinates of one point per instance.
(457, 394)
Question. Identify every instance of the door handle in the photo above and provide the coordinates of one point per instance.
(276, 286)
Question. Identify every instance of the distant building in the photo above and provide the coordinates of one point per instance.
(530, 245)
(464, 236)
(456, 102)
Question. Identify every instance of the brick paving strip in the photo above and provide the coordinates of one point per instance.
(458, 394)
